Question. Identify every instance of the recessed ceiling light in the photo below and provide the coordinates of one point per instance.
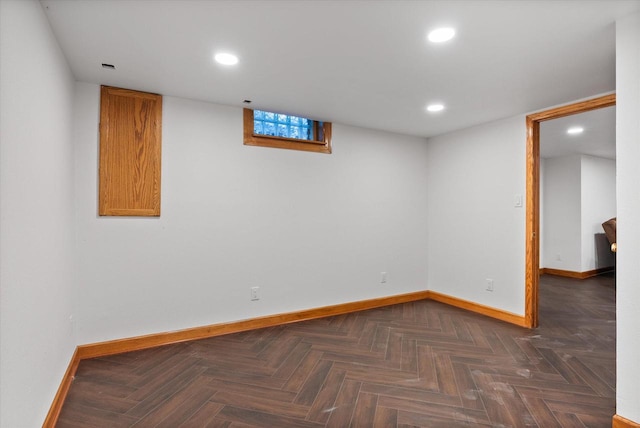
(440, 35)
(226, 58)
(575, 130)
(435, 108)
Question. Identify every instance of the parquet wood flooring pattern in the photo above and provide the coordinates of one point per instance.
(419, 364)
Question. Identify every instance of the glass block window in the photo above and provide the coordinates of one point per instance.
(282, 125)
(285, 131)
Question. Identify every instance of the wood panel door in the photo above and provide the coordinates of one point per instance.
(130, 152)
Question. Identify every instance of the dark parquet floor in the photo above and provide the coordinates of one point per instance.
(420, 364)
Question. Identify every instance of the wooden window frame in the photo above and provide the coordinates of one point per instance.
(318, 146)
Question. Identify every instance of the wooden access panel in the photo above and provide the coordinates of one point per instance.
(130, 152)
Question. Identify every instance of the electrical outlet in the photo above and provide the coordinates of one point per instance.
(383, 277)
(255, 293)
(489, 284)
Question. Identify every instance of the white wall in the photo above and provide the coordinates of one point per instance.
(561, 211)
(36, 215)
(309, 229)
(598, 204)
(578, 195)
(475, 231)
(628, 269)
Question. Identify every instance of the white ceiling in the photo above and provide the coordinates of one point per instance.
(364, 63)
(598, 138)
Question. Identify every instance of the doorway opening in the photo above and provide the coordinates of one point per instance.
(532, 219)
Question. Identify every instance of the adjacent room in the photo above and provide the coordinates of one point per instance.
(578, 193)
(320, 191)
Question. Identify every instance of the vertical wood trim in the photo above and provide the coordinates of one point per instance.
(532, 229)
(532, 218)
(326, 135)
(130, 152)
(247, 126)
